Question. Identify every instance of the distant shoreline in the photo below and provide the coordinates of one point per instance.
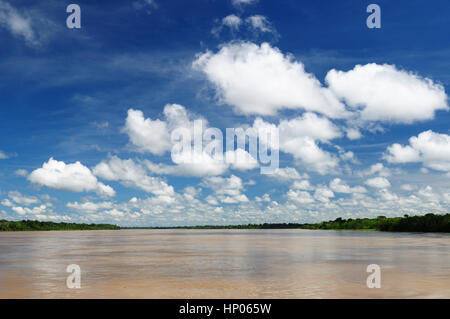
(426, 223)
(35, 225)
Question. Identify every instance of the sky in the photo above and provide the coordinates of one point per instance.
(87, 114)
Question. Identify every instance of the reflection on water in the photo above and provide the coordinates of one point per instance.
(224, 264)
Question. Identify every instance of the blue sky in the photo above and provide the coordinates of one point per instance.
(66, 95)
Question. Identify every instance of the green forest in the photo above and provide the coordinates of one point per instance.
(26, 225)
(426, 223)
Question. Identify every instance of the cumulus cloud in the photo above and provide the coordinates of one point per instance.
(376, 169)
(199, 164)
(353, 133)
(302, 184)
(154, 136)
(37, 210)
(323, 194)
(430, 148)
(256, 24)
(232, 21)
(227, 190)
(259, 23)
(378, 182)
(311, 125)
(21, 172)
(240, 3)
(312, 156)
(73, 177)
(146, 134)
(339, 186)
(385, 93)
(299, 137)
(21, 199)
(16, 23)
(131, 174)
(3, 155)
(262, 80)
(408, 187)
(89, 207)
(241, 160)
(287, 174)
(300, 197)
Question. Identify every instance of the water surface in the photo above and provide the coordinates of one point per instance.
(224, 264)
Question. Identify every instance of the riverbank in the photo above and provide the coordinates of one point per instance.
(34, 225)
(426, 223)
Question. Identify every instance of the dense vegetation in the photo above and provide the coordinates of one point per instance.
(426, 223)
(22, 225)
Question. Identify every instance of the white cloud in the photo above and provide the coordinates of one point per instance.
(259, 23)
(23, 199)
(37, 210)
(428, 193)
(408, 187)
(309, 124)
(232, 21)
(300, 197)
(241, 160)
(348, 156)
(6, 202)
(353, 133)
(287, 174)
(384, 93)
(204, 164)
(148, 5)
(312, 156)
(154, 136)
(387, 195)
(21, 172)
(430, 148)
(131, 174)
(339, 186)
(298, 137)
(262, 80)
(89, 207)
(3, 155)
(264, 198)
(378, 182)
(376, 169)
(227, 190)
(147, 135)
(18, 24)
(323, 194)
(201, 165)
(402, 154)
(69, 177)
(302, 184)
(239, 3)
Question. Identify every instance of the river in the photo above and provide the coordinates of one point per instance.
(224, 264)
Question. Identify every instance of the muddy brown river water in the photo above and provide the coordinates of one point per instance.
(224, 264)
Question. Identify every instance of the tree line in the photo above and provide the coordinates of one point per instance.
(27, 225)
(425, 223)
